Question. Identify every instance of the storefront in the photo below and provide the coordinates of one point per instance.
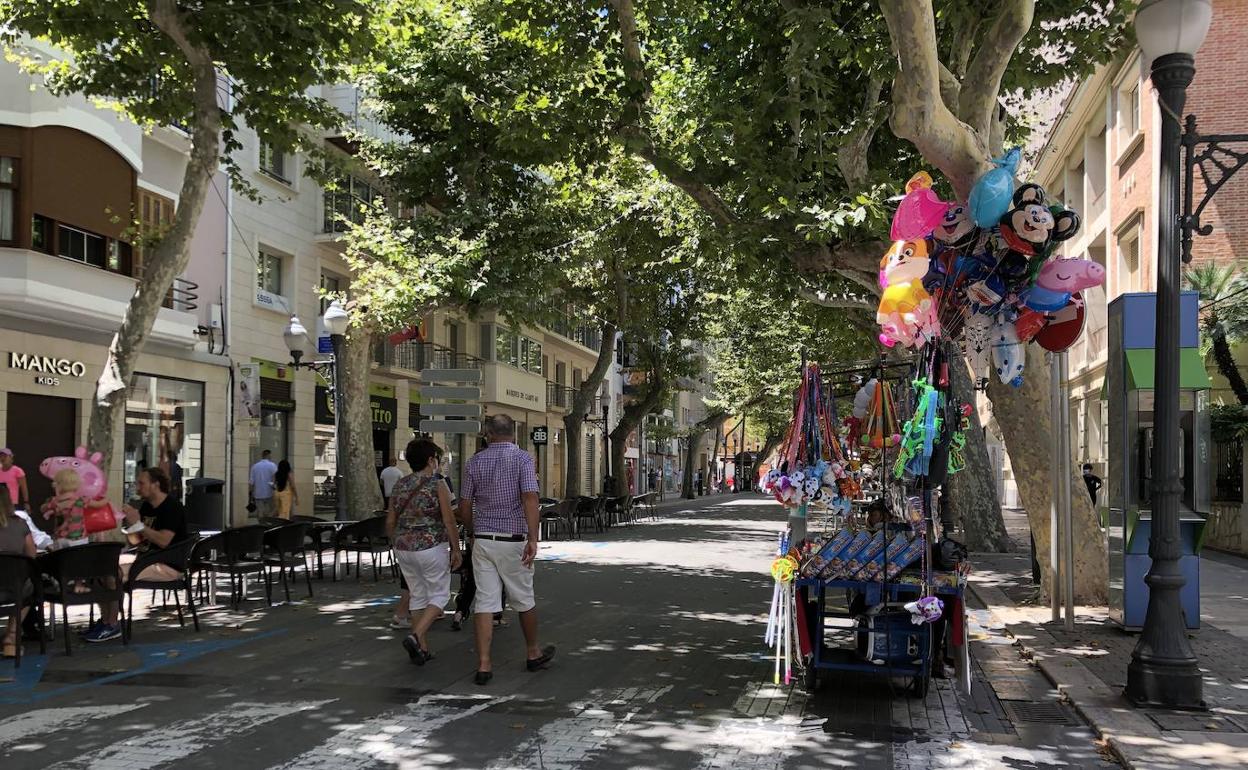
(175, 415)
(277, 407)
(384, 406)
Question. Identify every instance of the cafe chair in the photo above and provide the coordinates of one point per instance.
(176, 556)
(367, 536)
(240, 553)
(94, 565)
(20, 586)
(286, 547)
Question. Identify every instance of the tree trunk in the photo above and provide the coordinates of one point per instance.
(574, 420)
(167, 259)
(692, 444)
(633, 414)
(1027, 425)
(1226, 361)
(769, 445)
(619, 467)
(360, 474)
(973, 491)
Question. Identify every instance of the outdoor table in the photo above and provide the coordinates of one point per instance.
(319, 527)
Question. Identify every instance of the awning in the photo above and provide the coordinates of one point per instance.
(1192, 374)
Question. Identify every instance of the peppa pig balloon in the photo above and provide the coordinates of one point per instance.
(920, 211)
(93, 483)
(1059, 278)
(993, 194)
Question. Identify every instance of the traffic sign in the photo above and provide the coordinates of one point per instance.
(451, 410)
(458, 393)
(538, 435)
(450, 375)
(450, 426)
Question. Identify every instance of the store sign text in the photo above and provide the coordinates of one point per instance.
(48, 366)
(520, 394)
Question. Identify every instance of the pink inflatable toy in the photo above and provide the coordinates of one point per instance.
(920, 211)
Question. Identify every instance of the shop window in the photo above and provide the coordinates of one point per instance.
(164, 428)
(8, 199)
(273, 434)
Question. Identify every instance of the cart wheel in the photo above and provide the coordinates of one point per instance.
(811, 678)
(921, 683)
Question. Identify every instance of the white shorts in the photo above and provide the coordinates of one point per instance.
(428, 576)
(495, 566)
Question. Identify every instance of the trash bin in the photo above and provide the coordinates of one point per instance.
(205, 504)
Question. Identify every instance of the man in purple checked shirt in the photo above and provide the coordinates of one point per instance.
(498, 503)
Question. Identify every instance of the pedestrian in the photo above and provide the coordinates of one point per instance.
(260, 486)
(421, 525)
(698, 482)
(12, 476)
(159, 522)
(1092, 481)
(389, 477)
(285, 496)
(175, 476)
(498, 502)
(15, 538)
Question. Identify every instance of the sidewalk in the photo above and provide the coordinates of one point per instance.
(1090, 665)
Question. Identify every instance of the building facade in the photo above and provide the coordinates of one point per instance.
(80, 190)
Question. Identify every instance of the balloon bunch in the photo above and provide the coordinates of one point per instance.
(984, 273)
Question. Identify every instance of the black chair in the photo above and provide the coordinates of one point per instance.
(287, 547)
(21, 586)
(367, 536)
(92, 567)
(273, 521)
(176, 556)
(588, 508)
(240, 553)
(202, 554)
(555, 517)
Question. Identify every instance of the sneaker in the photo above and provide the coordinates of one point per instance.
(91, 629)
(401, 624)
(104, 633)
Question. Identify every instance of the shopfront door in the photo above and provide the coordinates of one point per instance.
(381, 449)
(39, 427)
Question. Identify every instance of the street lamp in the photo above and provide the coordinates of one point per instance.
(608, 481)
(335, 320)
(1163, 669)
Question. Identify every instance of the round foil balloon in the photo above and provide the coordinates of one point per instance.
(1064, 326)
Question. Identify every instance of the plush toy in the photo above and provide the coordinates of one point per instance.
(919, 211)
(1028, 229)
(928, 609)
(907, 313)
(990, 197)
(1008, 352)
(1058, 279)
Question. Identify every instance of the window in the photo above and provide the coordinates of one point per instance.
(81, 245)
(8, 199)
(330, 284)
(164, 428)
(517, 350)
(1130, 111)
(273, 162)
(269, 273)
(155, 218)
(1129, 260)
(344, 203)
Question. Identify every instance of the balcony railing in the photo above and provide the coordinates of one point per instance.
(182, 296)
(559, 396)
(580, 332)
(417, 356)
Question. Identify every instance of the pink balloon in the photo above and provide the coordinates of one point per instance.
(920, 211)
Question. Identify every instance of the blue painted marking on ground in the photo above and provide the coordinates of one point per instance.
(151, 657)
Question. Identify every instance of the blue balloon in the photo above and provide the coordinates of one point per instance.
(993, 194)
(1046, 300)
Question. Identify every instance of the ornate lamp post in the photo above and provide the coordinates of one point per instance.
(335, 321)
(1163, 670)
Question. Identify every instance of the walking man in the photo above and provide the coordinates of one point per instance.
(498, 503)
(390, 476)
(260, 485)
(1093, 481)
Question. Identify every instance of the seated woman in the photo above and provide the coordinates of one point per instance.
(15, 539)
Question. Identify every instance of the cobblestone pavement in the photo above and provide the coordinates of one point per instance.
(660, 665)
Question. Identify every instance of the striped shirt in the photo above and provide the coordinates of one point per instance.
(494, 480)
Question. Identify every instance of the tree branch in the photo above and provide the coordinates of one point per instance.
(851, 158)
(950, 86)
(843, 301)
(860, 258)
(977, 102)
(920, 115)
(688, 181)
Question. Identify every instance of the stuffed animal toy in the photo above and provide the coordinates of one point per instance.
(907, 313)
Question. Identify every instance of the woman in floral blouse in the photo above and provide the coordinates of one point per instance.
(421, 525)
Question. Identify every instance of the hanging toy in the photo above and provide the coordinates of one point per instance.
(1029, 323)
(907, 313)
(1008, 353)
(990, 197)
(1058, 279)
(920, 211)
(919, 435)
(781, 623)
(956, 229)
(927, 609)
(1027, 232)
(957, 442)
(881, 427)
(976, 345)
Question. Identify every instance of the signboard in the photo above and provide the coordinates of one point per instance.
(538, 435)
(450, 426)
(248, 403)
(384, 409)
(324, 345)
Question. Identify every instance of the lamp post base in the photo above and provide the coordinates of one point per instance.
(1151, 685)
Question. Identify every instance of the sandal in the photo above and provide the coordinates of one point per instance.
(483, 677)
(457, 621)
(499, 622)
(418, 654)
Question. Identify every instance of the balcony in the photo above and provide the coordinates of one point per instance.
(359, 118)
(416, 356)
(559, 397)
(39, 287)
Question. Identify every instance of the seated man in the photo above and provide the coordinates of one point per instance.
(158, 523)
